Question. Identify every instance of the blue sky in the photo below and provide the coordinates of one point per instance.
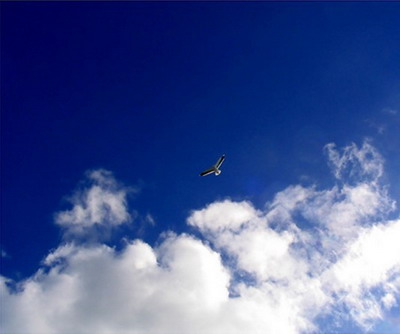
(150, 94)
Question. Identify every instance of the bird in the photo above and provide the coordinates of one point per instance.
(214, 169)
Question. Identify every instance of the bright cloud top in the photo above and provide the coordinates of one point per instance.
(308, 254)
(220, 215)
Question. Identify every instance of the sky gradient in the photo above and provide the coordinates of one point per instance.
(109, 111)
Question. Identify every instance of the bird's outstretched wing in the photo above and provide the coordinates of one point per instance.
(220, 161)
(206, 172)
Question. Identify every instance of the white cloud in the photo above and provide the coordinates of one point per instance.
(220, 215)
(104, 205)
(389, 300)
(307, 254)
(358, 199)
(98, 290)
(150, 219)
(371, 261)
(343, 209)
(286, 202)
(370, 258)
(360, 164)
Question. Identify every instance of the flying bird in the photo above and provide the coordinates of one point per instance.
(214, 169)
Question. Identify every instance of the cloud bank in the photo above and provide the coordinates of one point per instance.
(308, 254)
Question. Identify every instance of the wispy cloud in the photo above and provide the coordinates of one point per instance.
(308, 253)
(390, 111)
(355, 164)
(3, 253)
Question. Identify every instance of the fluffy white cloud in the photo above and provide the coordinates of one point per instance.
(179, 287)
(371, 261)
(343, 209)
(307, 254)
(99, 290)
(370, 258)
(220, 215)
(103, 204)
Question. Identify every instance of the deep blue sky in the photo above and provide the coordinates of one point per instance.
(155, 92)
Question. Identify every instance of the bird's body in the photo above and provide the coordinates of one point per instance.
(214, 169)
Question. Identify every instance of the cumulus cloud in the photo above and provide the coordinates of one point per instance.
(307, 254)
(220, 215)
(102, 205)
(138, 290)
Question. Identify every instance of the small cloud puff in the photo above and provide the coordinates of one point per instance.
(103, 205)
(220, 215)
